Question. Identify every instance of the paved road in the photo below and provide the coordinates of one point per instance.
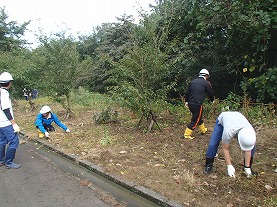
(40, 183)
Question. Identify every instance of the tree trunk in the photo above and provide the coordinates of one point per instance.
(31, 103)
(140, 120)
(69, 112)
(153, 119)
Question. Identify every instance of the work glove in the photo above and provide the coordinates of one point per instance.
(187, 104)
(231, 171)
(67, 130)
(46, 134)
(16, 128)
(247, 171)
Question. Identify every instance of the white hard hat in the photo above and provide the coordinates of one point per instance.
(5, 77)
(45, 109)
(204, 72)
(247, 139)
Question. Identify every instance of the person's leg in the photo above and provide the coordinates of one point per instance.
(48, 127)
(13, 142)
(201, 124)
(196, 111)
(3, 142)
(213, 146)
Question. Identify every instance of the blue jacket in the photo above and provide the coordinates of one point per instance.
(53, 118)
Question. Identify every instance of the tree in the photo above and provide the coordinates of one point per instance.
(140, 76)
(58, 61)
(19, 64)
(104, 47)
(14, 58)
(11, 33)
(223, 36)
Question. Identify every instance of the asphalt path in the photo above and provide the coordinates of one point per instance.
(39, 182)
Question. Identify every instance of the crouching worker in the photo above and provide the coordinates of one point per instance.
(44, 121)
(231, 124)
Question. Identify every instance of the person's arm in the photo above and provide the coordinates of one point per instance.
(226, 152)
(247, 164)
(16, 128)
(210, 91)
(247, 157)
(58, 122)
(8, 114)
(39, 124)
(187, 94)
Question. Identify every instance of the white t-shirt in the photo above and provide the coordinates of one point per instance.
(232, 122)
(5, 103)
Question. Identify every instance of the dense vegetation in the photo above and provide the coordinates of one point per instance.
(143, 64)
(146, 68)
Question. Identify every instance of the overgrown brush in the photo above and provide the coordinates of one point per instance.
(258, 114)
(106, 116)
(85, 98)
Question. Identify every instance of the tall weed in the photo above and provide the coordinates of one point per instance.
(85, 98)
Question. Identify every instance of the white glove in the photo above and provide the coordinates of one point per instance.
(16, 128)
(247, 171)
(67, 130)
(187, 104)
(231, 170)
(46, 134)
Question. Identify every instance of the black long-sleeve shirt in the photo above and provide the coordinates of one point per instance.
(197, 90)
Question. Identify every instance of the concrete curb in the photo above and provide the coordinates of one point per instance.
(140, 190)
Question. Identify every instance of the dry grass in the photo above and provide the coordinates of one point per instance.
(162, 161)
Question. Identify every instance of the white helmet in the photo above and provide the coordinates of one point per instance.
(247, 139)
(204, 72)
(5, 77)
(45, 109)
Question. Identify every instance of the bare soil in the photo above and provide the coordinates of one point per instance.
(164, 162)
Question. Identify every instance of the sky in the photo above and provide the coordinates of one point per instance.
(78, 17)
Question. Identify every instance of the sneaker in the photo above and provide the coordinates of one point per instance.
(13, 166)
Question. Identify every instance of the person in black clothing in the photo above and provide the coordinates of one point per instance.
(194, 97)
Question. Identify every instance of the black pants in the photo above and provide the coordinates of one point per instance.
(48, 128)
(197, 112)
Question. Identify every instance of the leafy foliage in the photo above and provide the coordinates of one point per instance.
(142, 65)
(58, 61)
(265, 85)
(106, 116)
(223, 36)
(107, 45)
(11, 33)
(140, 76)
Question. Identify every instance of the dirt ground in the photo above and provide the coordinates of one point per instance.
(163, 162)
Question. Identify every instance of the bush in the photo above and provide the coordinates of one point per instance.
(106, 116)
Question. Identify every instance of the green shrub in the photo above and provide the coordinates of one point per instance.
(106, 116)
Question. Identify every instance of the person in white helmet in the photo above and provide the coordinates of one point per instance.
(194, 98)
(232, 124)
(44, 120)
(9, 129)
